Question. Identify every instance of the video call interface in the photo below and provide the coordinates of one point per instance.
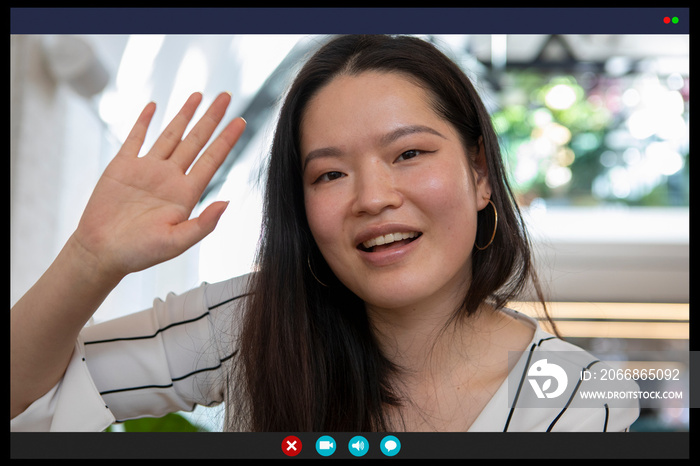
(592, 22)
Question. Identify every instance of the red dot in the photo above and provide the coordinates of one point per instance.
(667, 20)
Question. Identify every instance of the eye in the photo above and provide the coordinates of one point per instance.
(329, 176)
(409, 154)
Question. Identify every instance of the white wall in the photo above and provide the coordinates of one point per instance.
(58, 149)
(613, 254)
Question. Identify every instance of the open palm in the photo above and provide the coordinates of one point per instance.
(138, 214)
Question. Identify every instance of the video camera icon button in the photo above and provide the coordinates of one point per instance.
(325, 445)
(358, 445)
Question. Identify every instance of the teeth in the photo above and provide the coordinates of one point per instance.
(386, 239)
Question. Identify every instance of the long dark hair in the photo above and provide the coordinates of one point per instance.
(308, 359)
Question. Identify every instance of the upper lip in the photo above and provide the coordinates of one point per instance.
(380, 230)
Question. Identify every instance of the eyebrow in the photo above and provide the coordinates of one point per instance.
(384, 141)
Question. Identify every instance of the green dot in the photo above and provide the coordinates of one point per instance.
(675, 20)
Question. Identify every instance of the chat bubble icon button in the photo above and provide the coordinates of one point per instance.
(390, 445)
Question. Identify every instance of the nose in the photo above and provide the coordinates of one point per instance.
(376, 189)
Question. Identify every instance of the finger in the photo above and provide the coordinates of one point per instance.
(192, 231)
(134, 141)
(172, 134)
(211, 159)
(185, 153)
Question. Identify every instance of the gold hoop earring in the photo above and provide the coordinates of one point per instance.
(308, 261)
(495, 226)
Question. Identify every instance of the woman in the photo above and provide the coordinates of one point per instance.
(390, 245)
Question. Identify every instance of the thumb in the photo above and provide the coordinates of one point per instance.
(196, 229)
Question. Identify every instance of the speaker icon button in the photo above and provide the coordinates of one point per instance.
(358, 445)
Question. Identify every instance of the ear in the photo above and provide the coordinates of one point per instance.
(481, 176)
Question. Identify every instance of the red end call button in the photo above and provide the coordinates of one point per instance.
(291, 446)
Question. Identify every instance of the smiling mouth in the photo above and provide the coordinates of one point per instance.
(392, 240)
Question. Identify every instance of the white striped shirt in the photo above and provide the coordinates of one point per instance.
(174, 356)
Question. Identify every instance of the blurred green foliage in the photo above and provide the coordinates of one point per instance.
(173, 422)
(574, 153)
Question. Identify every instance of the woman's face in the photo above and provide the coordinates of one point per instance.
(390, 196)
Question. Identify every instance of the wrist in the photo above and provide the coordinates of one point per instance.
(90, 267)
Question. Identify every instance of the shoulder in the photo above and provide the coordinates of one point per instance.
(555, 385)
(221, 293)
(225, 303)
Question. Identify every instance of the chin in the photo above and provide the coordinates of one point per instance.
(402, 292)
(400, 295)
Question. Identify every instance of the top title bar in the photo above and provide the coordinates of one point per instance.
(349, 20)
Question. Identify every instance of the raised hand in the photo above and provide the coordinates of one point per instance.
(138, 214)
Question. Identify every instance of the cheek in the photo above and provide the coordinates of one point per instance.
(322, 213)
(448, 196)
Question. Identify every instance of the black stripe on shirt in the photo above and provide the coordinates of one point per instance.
(146, 337)
(522, 380)
(205, 369)
(573, 393)
(174, 324)
(607, 414)
(520, 385)
(546, 339)
(173, 380)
